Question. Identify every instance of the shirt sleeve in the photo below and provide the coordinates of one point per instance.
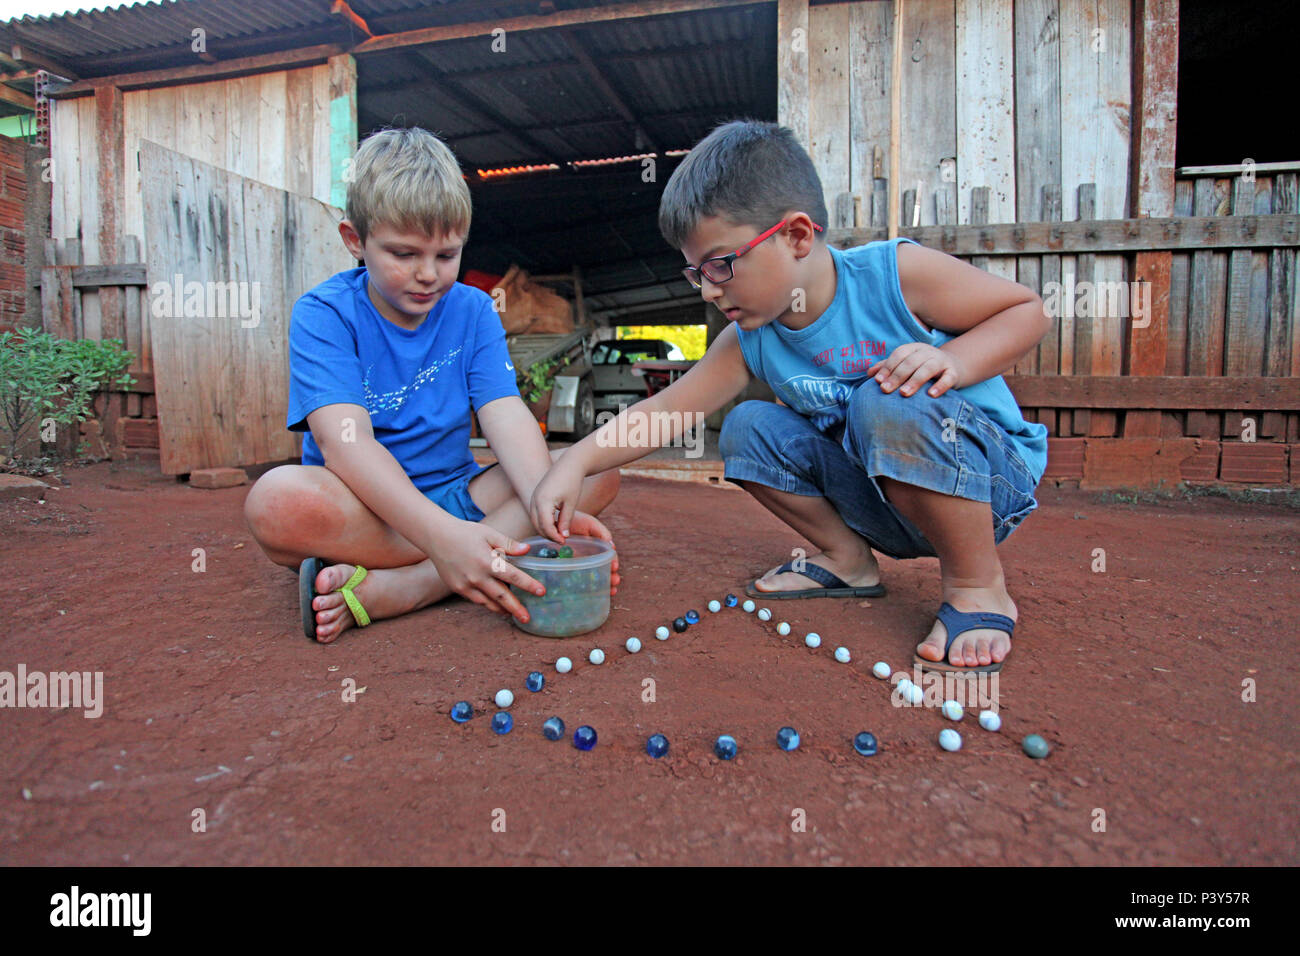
(491, 374)
(324, 368)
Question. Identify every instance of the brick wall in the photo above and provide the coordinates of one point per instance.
(13, 242)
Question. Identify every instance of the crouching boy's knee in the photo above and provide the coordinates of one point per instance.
(740, 426)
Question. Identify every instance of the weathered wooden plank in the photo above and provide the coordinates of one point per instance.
(1084, 268)
(979, 216)
(132, 273)
(341, 74)
(870, 39)
(880, 207)
(329, 172)
(985, 93)
(134, 123)
(1038, 142)
(1038, 102)
(135, 315)
(110, 153)
(929, 106)
(985, 121)
(1180, 273)
(1155, 106)
(65, 189)
(1155, 112)
(298, 138)
(270, 130)
(1205, 319)
(1282, 356)
(222, 375)
(1246, 393)
(792, 67)
(1049, 349)
(1244, 332)
(829, 129)
(1029, 275)
(1206, 309)
(1112, 236)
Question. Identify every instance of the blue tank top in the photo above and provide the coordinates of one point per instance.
(815, 369)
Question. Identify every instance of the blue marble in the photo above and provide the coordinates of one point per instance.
(692, 617)
(553, 729)
(461, 711)
(657, 746)
(545, 552)
(725, 747)
(502, 722)
(787, 738)
(732, 600)
(535, 681)
(1036, 747)
(680, 625)
(866, 744)
(584, 738)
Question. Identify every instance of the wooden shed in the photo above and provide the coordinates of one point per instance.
(1036, 138)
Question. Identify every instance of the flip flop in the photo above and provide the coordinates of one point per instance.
(832, 586)
(957, 623)
(307, 593)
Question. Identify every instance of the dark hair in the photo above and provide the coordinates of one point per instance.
(746, 171)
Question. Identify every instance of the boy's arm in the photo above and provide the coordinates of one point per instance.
(995, 322)
(466, 553)
(713, 381)
(512, 434)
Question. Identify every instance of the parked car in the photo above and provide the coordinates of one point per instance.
(612, 376)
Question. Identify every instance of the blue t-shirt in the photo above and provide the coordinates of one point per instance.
(418, 385)
(815, 369)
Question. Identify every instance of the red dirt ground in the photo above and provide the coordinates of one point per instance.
(215, 700)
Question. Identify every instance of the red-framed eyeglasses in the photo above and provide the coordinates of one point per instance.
(719, 269)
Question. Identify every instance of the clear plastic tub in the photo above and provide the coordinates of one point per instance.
(577, 588)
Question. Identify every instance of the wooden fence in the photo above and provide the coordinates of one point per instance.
(1215, 357)
(126, 420)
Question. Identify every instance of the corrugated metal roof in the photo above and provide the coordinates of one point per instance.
(534, 103)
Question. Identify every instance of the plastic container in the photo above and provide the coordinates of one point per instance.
(577, 588)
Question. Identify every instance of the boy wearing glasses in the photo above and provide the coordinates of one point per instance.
(385, 363)
(895, 433)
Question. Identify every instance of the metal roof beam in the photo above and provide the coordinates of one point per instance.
(644, 140)
(482, 108)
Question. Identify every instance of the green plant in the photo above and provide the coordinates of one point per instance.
(43, 378)
(539, 378)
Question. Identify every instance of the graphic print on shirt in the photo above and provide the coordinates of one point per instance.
(823, 398)
(394, 400)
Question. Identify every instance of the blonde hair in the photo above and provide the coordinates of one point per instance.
(409, 179)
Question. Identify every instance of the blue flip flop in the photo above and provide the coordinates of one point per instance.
(957, 623)
(832, 586)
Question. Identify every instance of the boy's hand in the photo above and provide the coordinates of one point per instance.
(912, 365)
(472, 563)
(555, 500)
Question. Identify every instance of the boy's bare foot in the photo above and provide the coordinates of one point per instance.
(387, 592)
(977, 647)
(859, 571)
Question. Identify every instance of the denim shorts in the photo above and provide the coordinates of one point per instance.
(945, 444)
(454, 497)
